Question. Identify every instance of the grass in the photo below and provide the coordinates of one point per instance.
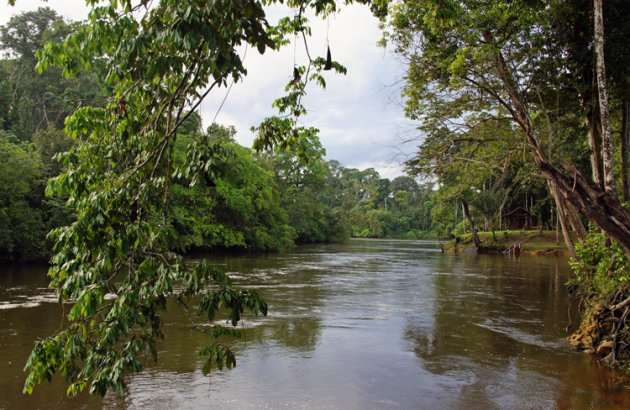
(531, 240)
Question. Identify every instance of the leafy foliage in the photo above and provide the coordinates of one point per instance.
(22, 233)
(371, 206)
(602, 266)
(238, 206)
(32, 109)
(36, 102)
(484, 75)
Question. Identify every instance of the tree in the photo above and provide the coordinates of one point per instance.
(468, 158)
(32, 110)
(404, 183)
(496, 52)
(22, 233)
(163, 58)
(38, 102)
(238, 207)
(602, 88)
(302, 181)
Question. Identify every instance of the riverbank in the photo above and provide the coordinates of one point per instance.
(531, 242)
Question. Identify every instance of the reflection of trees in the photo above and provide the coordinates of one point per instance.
(488, 314)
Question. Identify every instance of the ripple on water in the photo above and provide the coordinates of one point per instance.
(23, 301)
(523, 337)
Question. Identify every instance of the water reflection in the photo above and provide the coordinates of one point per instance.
(497, 332)
(368, 324)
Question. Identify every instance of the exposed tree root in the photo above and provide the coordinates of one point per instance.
(605, 329)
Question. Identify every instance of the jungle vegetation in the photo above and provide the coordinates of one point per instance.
(252, 201)
(516, 103)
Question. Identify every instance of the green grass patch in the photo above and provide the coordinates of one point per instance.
(534, 240)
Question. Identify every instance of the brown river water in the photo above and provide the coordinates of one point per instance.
(370, 324)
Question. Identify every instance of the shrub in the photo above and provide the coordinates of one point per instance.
(602, 266)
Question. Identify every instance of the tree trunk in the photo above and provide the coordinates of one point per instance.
(473, 231)
(557, 221)
(598, 206)
(594, 132)
(604, 111)
(504, 201)
(576, 223)
(561, 216)
(526, 202)
(456, 212)
(625, 140)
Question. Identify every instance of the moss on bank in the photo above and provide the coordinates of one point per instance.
(604, 331)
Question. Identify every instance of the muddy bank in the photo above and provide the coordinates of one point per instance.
(604, 332)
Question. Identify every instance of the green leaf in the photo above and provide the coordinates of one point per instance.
(207, 367)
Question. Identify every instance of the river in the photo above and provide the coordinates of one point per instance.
(366, 324)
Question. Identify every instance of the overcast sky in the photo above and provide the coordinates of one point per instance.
(359, 115)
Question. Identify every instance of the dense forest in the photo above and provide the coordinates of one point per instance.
(253, 201)
(269, 201)
(516, 106)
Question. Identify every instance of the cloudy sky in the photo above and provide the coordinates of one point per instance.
(359, 115)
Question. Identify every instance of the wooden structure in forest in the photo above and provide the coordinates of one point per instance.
(517, 219)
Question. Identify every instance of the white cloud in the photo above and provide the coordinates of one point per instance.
(359, 115)
(70, 9)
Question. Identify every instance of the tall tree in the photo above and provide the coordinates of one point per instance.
(237, 207)
(625, 150)
(22, 233)
(39, 102)
(604, 107)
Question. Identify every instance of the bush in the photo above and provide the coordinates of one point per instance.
(602, 266)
